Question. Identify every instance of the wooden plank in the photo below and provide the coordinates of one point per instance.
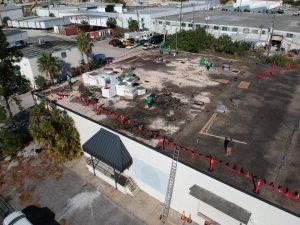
(222, 81)
(216, 136)
(244, 85)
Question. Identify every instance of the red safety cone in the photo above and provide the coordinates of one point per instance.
(259, 184)
(189, 220)
(280, 190)
(183, 217)
(248, 175)
(288, 194)
(271, 186)
(211, 163)
(297, 197)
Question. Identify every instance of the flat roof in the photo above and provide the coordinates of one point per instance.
(50, 45)
(9, 32)
(8, 8)
(242, 19)
(185, 111)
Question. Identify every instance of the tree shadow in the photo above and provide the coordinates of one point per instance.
(40, 216)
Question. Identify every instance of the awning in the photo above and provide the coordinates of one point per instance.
(220, 204)
(108, 148)
(277, 38)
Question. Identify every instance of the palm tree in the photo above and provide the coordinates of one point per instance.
(85, 44)
(49, 65)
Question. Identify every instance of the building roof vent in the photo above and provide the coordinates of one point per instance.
(41, 41)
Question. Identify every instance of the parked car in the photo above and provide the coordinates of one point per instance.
(113, 41)
(156, 39)
(16, 218)
(127, 42)
(296, 14)
(119, 44)
(131, 40)
(149, 46)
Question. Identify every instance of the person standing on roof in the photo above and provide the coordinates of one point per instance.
(177, 51)
(226, 144)
(169, 50)
(229, 147)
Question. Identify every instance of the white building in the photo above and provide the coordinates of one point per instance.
(127, 164)
(11, 11)
(253, 6)
(65, 50)
(16, 37)
(36, 22)
(250, 27)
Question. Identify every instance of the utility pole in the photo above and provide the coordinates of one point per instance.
(138, 18)
(240, 9)
(165, 27)
(180, 16)
(193, 18)
(176, 39)
(272, 31)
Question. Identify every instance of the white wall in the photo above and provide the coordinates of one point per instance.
(12, 14)
(12, 39)
(150, 170)
(29, 68)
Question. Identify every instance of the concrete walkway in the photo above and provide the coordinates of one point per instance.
(142, 205)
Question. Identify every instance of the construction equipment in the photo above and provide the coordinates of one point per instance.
(168, 198)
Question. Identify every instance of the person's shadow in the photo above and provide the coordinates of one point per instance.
(40, 216)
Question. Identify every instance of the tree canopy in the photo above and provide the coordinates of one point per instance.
(55, 130)
(198, 40)
(49, 65)
(133, 25)
(10, 78)
(111, 22)
(85, 44)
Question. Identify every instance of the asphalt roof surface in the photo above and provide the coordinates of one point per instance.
(12, 32)
(265, 120)
(255, 20)
(50, 45)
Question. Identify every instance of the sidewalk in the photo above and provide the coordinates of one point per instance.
(142, 205)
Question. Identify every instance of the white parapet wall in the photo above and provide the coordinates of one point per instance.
(150, 170)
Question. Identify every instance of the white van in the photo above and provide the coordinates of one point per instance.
(16, 218)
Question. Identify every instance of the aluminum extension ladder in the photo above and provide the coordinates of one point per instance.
(168, 198)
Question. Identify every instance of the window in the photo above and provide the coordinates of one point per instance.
(198, 26)
(183, 24)
(130, 18)
(142, 19)
(263, 32)
(168, 23)
(224, 28)
(160, 22)
(190, 25)
(246, 31)
(235, 29)
(63, 54)
(254, 31)
(216, 28)
(206, 27)
(289, 35)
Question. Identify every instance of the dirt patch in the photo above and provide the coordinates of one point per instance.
(22, 174)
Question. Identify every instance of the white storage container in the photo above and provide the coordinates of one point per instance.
(109, 92)
(141, 91)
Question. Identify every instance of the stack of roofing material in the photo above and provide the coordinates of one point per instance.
(120, 89)
(109, 92)
(91, 78)
(130, 92)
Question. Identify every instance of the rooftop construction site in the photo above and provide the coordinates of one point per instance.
(192, 102)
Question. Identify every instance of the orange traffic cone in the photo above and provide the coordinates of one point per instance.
(189, 220)
(183, 217)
